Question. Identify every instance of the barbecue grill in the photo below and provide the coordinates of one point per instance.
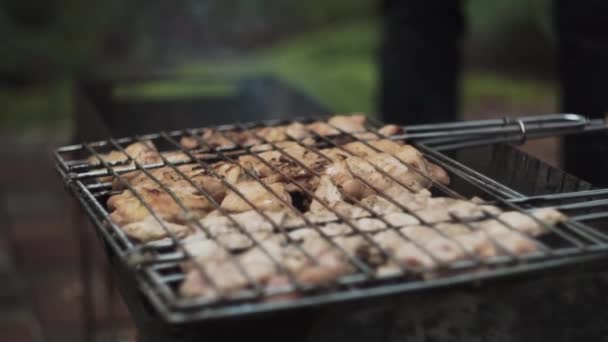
(149, 273)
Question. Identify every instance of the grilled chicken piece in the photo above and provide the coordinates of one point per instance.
(251, 221)
(236, 242)
(399, 219)
(380, 205)
(351, 171)
(225, 273)
(406, 154)
(512, 241)
(144, 153)
(367, 224)
(188, 142)
(526, 224)
(349, 123)
(478, 243)
(329, 195)
(202, 248)
(214, 139)
(336, 229)
(508, 234)
(362, 249)
(331, 263)
(172, 179)
(295, 131)
(389, 130)
(272, 134)
(127, 208)
(293, 161)
(343, 178)
(258, 263)
(393, 174)
(441, 248)
(407, 253)
(512, 220)
(445, 209)
(258, 195)
(331, 202)
(149, 229)
(346, 123)
(321, 216)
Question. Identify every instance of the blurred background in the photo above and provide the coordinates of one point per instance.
(141, 62)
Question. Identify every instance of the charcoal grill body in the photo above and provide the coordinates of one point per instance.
(567, 303)
(562, 303)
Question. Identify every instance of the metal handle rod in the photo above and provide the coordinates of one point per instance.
(444, 144)
(520, 125)
(546, 118)
(468, 138)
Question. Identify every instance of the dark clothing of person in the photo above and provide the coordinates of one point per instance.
(421, 56)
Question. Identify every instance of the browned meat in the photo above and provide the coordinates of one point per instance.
(250, 220)
(526, 224)
(281, 166)
(150, 229)
(127, 208)
(331, 200)
(404, 153)
(389, 130)
(399, 219)
(392, 170)
(328, 193)
(407, 254)
(144, 153)
(331, 265)
(199, 246)
(213, 138)
(440, 247)
(257, 194)
(295, 131)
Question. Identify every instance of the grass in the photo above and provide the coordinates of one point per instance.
(41, 106)
(480, 86)
(338, 68)
(335, 66)
(179, 88)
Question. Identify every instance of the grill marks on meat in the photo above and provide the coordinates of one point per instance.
(149, 229)
(258, 195)
(127, 207)
(414, 248)
(380, 187)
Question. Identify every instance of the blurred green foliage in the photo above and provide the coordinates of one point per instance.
(40, 106)
(325, 47)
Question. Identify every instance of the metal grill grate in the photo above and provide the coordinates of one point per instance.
(156, 265)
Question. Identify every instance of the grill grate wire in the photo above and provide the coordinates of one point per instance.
(149, 261)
